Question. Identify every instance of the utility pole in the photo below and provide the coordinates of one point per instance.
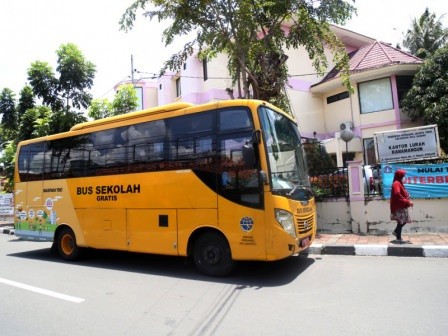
(132, 69)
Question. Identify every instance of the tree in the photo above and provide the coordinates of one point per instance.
(124, 101)
(7, 163)
(99, 109)
(44, 84)
(33, 123)
(62, 121)
(26, 101)
(426, 35)
(42, 125)
(69, 90)
(318, 159)
(65, 93)
(253, 35)
(427, 99)
(76, 75)
(9, 114)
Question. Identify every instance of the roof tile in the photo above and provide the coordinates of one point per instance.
(374, 56)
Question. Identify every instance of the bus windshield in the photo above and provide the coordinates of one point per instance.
(287, 164)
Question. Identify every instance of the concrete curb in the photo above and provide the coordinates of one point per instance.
(429, 251)
(435, 251)
(338, 249)
(371, 250)
(7, 230)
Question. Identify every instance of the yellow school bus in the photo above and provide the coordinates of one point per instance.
(218, 182)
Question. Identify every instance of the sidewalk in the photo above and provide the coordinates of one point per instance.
(421, 244)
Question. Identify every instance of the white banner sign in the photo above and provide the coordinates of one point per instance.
(409, 144)
(6, 211)
(6, 204)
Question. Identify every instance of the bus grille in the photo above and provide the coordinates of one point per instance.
(305, 224)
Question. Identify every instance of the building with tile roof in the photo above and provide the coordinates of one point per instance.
(380, 75)
(377, 55)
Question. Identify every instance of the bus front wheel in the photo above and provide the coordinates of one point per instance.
(212, 255)
(66, 245)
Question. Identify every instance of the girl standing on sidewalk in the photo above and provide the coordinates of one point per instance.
(399, 204)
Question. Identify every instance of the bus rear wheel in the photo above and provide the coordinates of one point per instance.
(66, 245)
(212, 255)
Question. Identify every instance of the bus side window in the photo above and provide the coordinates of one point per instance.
(23, 162)
(188, 135)
(233, 119)
(238, 182)
(138, 149)
(204, 145)
(111, 144)
(146, 141)
(36, 161)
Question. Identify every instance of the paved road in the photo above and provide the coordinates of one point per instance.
(129, 294)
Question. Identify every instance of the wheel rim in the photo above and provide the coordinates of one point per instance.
(67, 244)
(212, 255)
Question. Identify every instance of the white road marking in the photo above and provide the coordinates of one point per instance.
(42, 291)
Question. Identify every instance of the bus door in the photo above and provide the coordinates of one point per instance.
(240, 203)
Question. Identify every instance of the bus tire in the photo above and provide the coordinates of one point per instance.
(66, 245)
(212, 255)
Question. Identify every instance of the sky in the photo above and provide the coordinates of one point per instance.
(33, 30)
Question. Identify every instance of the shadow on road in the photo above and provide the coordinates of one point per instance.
(251, 274)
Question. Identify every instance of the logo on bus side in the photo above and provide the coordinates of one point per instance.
(246, 224)
(49, 203)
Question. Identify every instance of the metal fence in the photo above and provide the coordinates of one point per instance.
(328, 183)
(333, 182)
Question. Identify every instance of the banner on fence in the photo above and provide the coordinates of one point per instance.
(422, 180)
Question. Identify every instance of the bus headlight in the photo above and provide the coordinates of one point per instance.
(286, 220)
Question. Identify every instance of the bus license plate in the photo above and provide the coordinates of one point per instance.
(305, 242)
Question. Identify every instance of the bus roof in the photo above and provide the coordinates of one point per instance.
(154, 110)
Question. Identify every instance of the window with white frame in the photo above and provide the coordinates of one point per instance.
(375, 95)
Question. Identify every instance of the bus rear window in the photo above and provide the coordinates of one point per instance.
(31, 161)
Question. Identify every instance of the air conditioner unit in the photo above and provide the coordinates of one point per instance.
(347, 125)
